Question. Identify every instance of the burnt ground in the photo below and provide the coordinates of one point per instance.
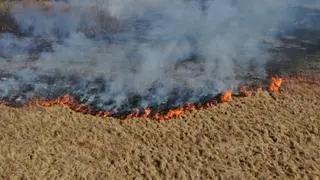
(256, 137)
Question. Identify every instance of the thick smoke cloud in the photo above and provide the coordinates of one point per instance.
(105, 52)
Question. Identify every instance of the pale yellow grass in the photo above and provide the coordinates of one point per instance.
(263, 136)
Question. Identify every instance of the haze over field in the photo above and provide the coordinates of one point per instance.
(107, 53)
(65, 48)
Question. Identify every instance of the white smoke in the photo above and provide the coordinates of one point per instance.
(136, 45)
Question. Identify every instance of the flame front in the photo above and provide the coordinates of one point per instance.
(69, 101)
(149, 113)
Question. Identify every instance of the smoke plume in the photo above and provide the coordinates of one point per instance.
(121, 54)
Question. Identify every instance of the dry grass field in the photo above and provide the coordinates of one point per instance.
(262, 136)
(267, 136)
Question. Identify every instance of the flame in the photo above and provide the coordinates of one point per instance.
(149, 113)
(69, 101)
(245, 92)
(178, 112)
(104, 114)
(135, 113)
(275, 84)
(226, 96)
(158, 117)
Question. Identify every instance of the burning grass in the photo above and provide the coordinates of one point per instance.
(248, 137)
(154, 113)
(275, 85)
(168, 111)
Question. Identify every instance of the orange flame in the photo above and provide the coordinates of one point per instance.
(245, 92)
(71, 103)
(104, 114)
(178, 112)
(147, 113)
(226, 96)
(133, 114)
(157, 116)
(275, 84)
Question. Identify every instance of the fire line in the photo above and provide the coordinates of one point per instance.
(149, 113)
